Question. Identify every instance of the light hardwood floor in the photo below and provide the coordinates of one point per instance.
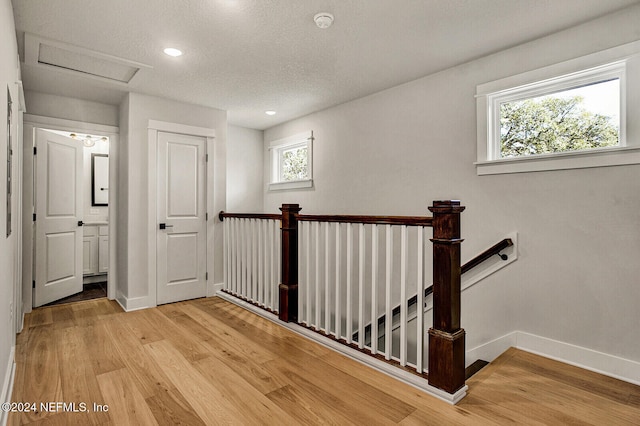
(206, 362)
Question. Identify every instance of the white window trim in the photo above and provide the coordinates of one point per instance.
(277, 146)
(610, 63)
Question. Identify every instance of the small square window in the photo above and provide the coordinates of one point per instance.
(291, 162)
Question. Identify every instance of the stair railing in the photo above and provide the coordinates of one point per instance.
(249, 275)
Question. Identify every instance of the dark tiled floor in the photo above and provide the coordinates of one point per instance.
(89, 291)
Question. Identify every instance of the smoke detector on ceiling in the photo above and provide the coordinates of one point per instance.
(323, 20)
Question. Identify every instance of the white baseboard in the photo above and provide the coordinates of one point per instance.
(491, 350)
(212, 288)
(598, 362)
(134, 303)
(7, 385)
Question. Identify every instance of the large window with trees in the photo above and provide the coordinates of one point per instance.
(568, 115)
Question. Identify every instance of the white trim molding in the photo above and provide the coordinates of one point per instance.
(279, 186)
(7, 385)
(134, 303)
(69, 125)
(599, 362)
(214, 288)
(164, 126)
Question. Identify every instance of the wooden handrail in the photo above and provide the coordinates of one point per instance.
(273, 216)
(378, 220)
(491, 251)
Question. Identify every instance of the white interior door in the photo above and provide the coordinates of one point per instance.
(181, 232)
(58, 231)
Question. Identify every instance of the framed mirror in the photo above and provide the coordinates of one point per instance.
(99, 179)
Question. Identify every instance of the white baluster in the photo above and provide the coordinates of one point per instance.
(236, 256)
(225, 243)
(360, 286)
(265, 256)
(273, 225)
(403, 296)
(243, 261)
(420, 302)
(327, 299)
(388, 308)
(338, 296)
(374, 289)
(259, 278)
(301, 260)
(254, 262)
(338, 310)
(317, 280)
(277, 237)
(231, 258)
(249, 293)
(307, 285)
(349, 324)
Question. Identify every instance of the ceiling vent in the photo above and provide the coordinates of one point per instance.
(79, 61)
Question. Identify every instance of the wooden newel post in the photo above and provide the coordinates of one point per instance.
(446, 338)
(288, 288)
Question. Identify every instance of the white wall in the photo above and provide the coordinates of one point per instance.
(8, 246)
(244, 170)
(133, 225)
(395, 151)
(74, 109)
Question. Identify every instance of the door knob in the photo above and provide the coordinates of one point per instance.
(165, 226)
(80, 223)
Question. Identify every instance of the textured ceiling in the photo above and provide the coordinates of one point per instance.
(248, 56)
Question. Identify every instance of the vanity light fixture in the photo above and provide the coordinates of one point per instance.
(88, 140)
(172, 51)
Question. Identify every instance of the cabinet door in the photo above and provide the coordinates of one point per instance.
(86, 255)
(89, 255)
(103, 255)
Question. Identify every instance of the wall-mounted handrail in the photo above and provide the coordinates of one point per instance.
(487, 254)
(377, 220)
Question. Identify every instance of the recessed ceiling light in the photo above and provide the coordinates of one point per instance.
(172, 51)
(270, 112)
(323, 20)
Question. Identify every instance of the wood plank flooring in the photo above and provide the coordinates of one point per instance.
(207, 362)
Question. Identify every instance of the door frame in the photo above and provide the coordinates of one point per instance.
(153, 128)
(32, 122)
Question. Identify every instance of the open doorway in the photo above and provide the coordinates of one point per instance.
(81, 193)
(93, 195)
(71, 232)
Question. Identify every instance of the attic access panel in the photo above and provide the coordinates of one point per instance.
(77, 60)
